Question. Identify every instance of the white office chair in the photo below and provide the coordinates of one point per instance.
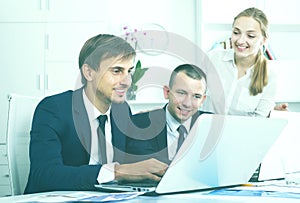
(20, 113)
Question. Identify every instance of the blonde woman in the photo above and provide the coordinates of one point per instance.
(249, 84)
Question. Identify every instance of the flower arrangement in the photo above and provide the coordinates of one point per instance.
(139, 71)
(131, 35)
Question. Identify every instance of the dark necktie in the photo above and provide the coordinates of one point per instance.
(182, 131)
(101, 139)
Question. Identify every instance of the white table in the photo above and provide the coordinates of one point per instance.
(184, 197)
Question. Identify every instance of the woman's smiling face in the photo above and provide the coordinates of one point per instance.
(246, 37)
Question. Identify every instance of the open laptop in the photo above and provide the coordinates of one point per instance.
(283, 156)
(219, 151)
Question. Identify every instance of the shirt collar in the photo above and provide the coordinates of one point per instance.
(229, 56)
(173, 123)
(92, 111)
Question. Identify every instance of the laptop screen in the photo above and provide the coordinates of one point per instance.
(237, 145)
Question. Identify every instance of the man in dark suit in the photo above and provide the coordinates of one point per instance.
(156, 133)
(67, 151)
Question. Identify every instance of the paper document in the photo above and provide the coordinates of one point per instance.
(81, 197)
(273, 190)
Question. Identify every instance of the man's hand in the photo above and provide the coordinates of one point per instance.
(150, 170)
(282, 107)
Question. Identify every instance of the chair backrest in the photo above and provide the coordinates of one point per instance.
(20, 113)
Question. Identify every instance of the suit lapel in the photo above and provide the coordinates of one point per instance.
(194, 118)
(81, 120)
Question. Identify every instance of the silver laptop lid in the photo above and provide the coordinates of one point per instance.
(220, 151)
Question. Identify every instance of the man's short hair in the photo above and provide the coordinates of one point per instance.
(101, 47)
(190, 70)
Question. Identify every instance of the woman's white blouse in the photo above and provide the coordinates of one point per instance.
(238, 100)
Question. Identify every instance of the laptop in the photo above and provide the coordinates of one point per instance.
(220, 151)
(285, 150)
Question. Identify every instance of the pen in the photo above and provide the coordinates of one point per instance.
(248, 185)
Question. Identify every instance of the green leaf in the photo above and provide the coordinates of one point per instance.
(134, 87)
(138, 65)
(138, 73)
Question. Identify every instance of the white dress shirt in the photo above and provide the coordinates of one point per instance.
(173, 134)
(238, 100)
(106, 173)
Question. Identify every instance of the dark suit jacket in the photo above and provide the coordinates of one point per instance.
(148, 136)
(60, 143)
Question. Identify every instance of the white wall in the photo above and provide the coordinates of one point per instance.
(27, 27)
(41, 39)
(283, 16)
